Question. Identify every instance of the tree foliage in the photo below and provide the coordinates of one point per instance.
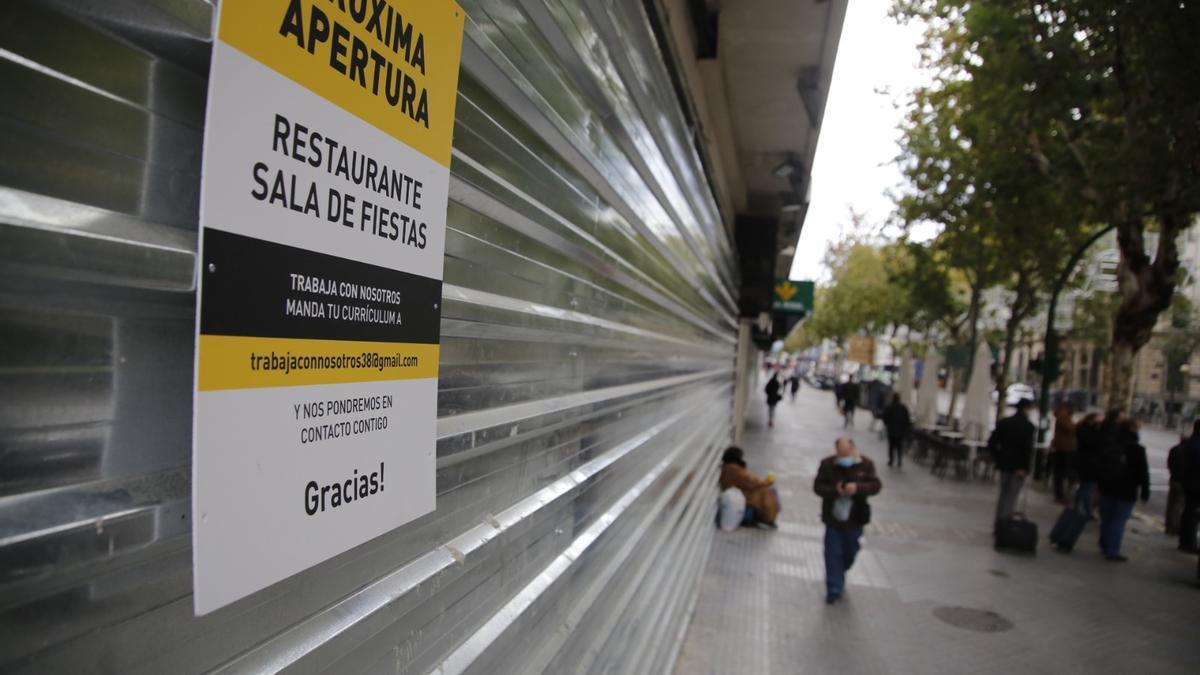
(859, 297)
(1074, 112)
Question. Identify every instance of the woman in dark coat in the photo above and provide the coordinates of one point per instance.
(899, 426)
(1119, 495)
(773, 397)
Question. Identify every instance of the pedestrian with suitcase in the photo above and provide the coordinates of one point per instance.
(1064, 445)
(1011, 445)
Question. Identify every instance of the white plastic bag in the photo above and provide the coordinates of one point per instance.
(732, 509)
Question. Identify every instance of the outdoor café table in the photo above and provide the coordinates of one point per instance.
(973, 460)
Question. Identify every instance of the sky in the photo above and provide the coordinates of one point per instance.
(875, 68)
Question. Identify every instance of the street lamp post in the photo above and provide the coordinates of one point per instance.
(1050, 358)
(1185, 370)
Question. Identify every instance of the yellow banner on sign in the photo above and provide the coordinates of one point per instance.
(392, 63)
(235, 362)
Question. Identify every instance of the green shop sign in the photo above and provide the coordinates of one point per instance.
(793, 297)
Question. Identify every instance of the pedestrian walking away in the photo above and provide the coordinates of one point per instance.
(761, 498)
(1087, 439)
(1119, 491)
(794, 384)
(1191, 492)
(844, 482)
(773, 397)
(850, 394)
(1176, 468)
(1011, 445)
(898, 422)
(1064, 446)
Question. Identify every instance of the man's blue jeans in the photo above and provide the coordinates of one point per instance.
(1083, 497)
(841, 546)
(1114, 513)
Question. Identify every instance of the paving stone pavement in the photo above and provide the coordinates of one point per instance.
(761, 604)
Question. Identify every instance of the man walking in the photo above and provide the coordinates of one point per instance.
(1191, 492)
(899, 425)
(844, 481)
(1176, 468)
(850, 394)
(1011, 445)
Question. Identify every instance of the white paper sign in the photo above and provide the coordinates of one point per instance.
(322, 222)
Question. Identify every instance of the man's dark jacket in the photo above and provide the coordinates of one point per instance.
(1135, 472)
(1177, 461)
(897, 420)
(1012, 443)
(1191, 473)
(829, 474)
(1087, 437)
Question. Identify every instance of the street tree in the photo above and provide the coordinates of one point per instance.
(1001, 224)
(858, 299)
(1108, 96)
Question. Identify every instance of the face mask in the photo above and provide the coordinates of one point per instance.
(845, 461)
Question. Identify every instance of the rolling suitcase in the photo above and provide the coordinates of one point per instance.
(1016, 534)
(1068, 528)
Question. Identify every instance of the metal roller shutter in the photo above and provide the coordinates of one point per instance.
(586, 377)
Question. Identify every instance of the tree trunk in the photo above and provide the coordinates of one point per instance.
(1146, 288)
(1022, 305)
(973, 328)
(1118, 384)
(1010, 339)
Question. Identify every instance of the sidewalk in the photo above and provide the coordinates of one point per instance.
(928, 594)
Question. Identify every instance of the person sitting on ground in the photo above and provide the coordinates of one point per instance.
(844, 481)
(762, 501)
(1064, 446)
(1011, 445)
(1087, 439)
(1119, 493)
(899, 425)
